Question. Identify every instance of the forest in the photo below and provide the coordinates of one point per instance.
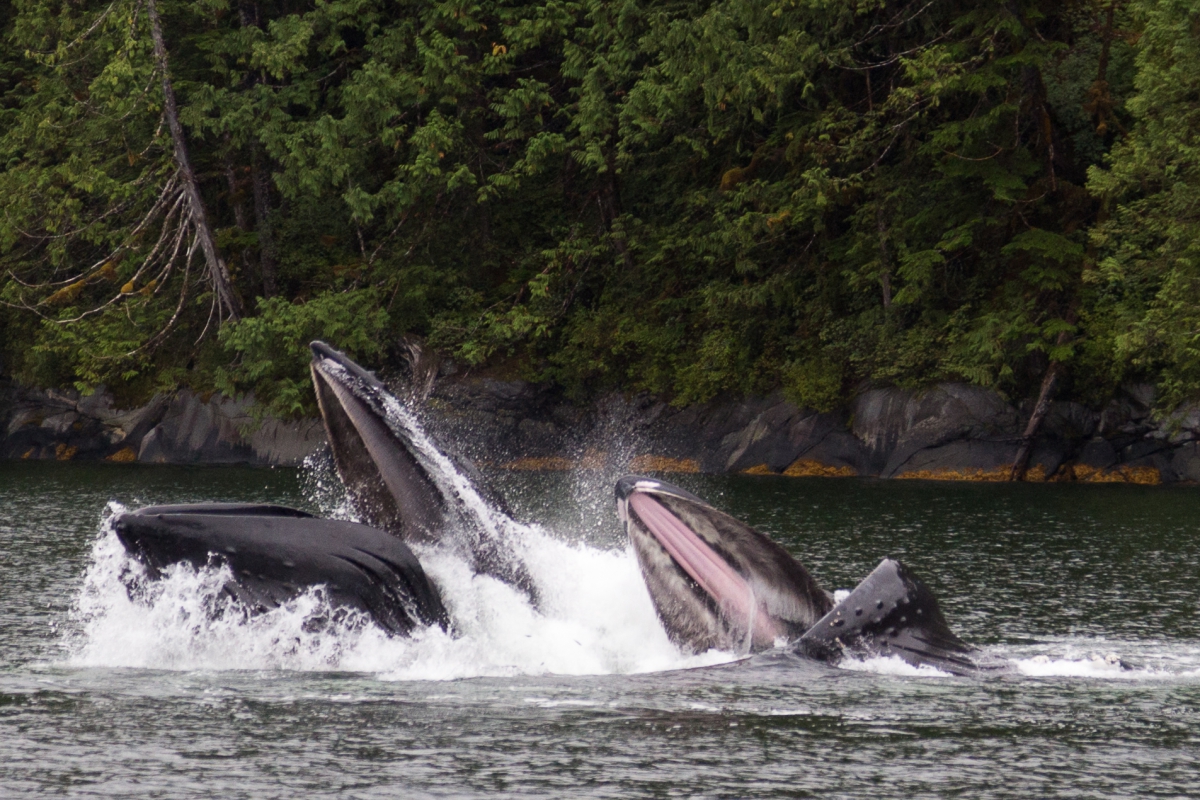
(682, 197)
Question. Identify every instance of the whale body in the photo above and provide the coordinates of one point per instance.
(717, 582)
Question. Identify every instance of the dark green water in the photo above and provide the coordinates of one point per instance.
(101, 697)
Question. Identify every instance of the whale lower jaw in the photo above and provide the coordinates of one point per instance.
(387, 485)
(399, 481)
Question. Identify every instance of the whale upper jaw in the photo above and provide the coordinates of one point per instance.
(717, 583)
(399, 480)
(387, 483)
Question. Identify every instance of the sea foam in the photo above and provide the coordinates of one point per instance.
(595, 616)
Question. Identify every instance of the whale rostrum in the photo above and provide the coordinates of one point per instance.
(715, 582)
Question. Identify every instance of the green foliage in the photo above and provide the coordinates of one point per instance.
(687, 198)
(1148, 281)
(813, 384)
(271, 353)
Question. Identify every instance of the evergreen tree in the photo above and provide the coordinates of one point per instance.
(687, 198)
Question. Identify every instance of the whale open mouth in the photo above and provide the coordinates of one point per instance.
(384, 479)
(399, 480)
(715, 581)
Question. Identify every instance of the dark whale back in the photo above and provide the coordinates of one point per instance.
(275, 553)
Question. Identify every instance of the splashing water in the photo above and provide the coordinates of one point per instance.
(595, 617)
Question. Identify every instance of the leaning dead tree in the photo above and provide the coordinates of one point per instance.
(1020, 464)
(218, 273)
(1050, 381)
(177, 224)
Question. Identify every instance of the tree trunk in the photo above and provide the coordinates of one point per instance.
(228, 304)
(235, 199)
(610, 209)
(267, 255)
(885, 261)
(1049, 383)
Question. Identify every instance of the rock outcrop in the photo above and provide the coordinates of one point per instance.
(952, 431)
(181, 429)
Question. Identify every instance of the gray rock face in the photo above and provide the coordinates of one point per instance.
(896, 427)
(951, 431)
(194, 431)
(182, 429)
(1185, 462)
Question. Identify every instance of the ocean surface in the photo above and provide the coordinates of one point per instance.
(1088, 593)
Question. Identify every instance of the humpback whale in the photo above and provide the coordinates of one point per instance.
(399, 480)
(406, 490)
(715, 582)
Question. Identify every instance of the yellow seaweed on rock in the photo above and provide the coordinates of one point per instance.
(811, 468)
(546, 464)
(945, 474)
(1145, 476)
(125, 455)
(593, 459)
(650, 463)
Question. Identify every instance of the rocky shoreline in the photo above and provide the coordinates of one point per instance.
(949, 432)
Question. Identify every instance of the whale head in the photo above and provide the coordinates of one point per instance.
(715, 581)
(399, 480)
(718, 583)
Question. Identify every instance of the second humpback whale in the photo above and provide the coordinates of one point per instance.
(715, 582)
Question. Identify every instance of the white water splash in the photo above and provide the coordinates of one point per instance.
(892, 665)
(594, 614)
(1109, 660)
(1079, 658)
(595, 617)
